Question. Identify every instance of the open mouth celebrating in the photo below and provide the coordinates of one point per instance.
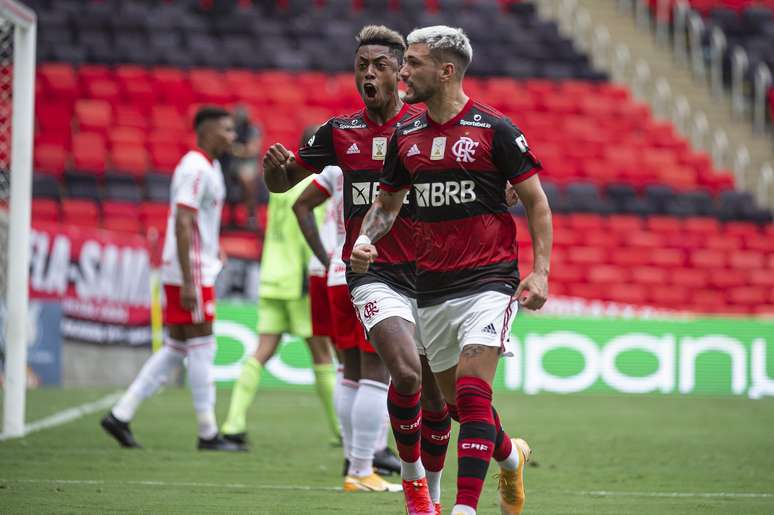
(370, 90)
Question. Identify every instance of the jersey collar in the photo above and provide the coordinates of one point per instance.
(389, 123)
(199, 150)
(456, 118)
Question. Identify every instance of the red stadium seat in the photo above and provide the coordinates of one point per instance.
(50, 159)
(689, 277)
(130, 116)
(761, 243)
(748, 295)
(585, 222)
(649, 275)
(122, 224)
(743, 229)
(167, 117)
(627, 256)
(644, 240)
(583, 255)
(628, 294)
(93, 115)
(45, 210)
(55, 117)
(608, 274)
(708, 258)
(132, 159)
(104, 89)
(88, 73)
(80, 212)
(60, 82)
(130, 72)
(154, 215)
(126, 136)
(664, 224)
(708, 300)
(624, 223)
(119, 209)
(568, 273)
(165, 158)
(746, 259)
(760, 277)
(727, 278)
(670, 296)
(667, 257)
(723, 242)
(89, 152)
(701, 225)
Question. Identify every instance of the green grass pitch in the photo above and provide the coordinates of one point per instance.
(593, 454)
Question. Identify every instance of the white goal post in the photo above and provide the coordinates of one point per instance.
(21, 21)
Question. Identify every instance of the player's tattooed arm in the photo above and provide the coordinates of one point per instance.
(379, 219)
(303, 208)
(533, 290)
(280, 169)
(377, 222)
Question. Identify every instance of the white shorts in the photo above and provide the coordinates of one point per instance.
(375, 302)
(480, 319)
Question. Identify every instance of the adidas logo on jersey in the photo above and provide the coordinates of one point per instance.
(490, 329)
(353, 149)
(414, 150)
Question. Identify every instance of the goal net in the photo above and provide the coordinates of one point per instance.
(17, 89)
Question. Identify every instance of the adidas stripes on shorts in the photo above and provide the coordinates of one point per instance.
(479, 319)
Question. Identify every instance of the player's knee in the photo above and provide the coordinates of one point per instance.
(406, 380)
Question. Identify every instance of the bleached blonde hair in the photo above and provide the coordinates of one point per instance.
(446, 41)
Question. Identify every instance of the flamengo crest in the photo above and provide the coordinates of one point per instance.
(464, 149)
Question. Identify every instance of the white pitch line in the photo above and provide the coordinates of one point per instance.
(165, 484)
(68, 415)
(605, 493)
(243, 486)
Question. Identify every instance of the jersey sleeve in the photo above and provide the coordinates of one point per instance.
(190, 187)
(319, 151)
(326, 180)
(394, 176)
(511, 154)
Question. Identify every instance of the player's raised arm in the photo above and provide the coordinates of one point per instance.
(303, 208)
(284, 170)
(281, 171)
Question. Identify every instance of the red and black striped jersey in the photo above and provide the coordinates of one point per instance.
(465, 238)
(358, 146)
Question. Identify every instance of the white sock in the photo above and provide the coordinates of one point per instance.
(382, 441)
(152, 375)
(201, 352)
(512, 461)
(337, 390)
(411, 471)
(368, 412)
(461, 509)
(346, 399)
(434, 485)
